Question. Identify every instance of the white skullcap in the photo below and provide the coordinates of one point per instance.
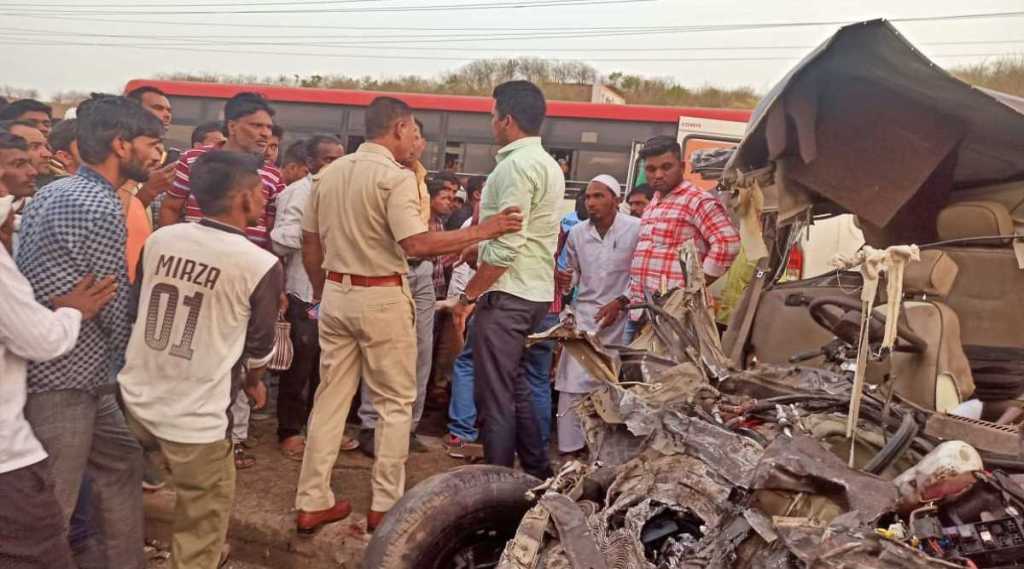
(6, 205)
(461, 194)
(611, 182)
(71, 113)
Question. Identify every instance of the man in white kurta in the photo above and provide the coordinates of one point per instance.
(600, 251)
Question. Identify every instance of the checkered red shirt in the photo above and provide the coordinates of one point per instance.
(272, 186)
(440, 285)
(685, 213)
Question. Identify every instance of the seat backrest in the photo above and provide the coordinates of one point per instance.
(989, 294)
(940, 377)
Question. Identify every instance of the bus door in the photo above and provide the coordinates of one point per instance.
(697, 133)
(635, 173)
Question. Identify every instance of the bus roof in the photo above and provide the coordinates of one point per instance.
(435, 102)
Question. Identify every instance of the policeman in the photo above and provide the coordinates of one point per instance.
(361, 223)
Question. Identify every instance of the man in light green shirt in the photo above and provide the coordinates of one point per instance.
(514, 283)
(526, 176)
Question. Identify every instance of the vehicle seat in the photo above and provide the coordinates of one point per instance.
(940, 377)
(990, 299)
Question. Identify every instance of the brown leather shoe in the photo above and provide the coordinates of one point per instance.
(373, 519)
(309, 522)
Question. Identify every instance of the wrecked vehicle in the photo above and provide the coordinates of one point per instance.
(864, 418)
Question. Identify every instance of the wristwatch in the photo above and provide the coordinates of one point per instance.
(465, 300)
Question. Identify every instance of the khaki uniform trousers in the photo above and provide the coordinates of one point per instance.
(204, 481)
(365, 332)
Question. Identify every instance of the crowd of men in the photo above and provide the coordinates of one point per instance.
(145, 286)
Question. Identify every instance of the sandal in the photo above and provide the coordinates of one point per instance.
(349, 444)
(243, 459)
(293, 448)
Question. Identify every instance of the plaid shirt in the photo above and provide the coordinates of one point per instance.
(683, 214)
(74, 227)
(440, 286)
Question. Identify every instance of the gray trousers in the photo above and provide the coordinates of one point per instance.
(33, 535)
(421, 283)
(87, 433)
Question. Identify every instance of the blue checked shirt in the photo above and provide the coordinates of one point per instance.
(73, 227)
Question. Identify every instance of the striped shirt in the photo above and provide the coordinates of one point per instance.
(272, 186)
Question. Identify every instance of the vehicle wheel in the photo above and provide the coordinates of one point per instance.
(460, 519)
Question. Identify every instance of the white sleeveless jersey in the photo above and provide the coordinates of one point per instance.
(198, 287)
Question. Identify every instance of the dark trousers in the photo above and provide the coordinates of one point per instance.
(297, 385)
(33, 529)
(505, 401)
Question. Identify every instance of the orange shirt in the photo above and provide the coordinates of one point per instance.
(139, 229)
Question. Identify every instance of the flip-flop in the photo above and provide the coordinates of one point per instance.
(349, 444)
(295, 450)
(243, 459)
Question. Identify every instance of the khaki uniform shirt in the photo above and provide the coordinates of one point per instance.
(362, 205)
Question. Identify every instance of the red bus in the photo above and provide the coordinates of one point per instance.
(594, 138)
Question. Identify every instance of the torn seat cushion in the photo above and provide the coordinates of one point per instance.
(976, 219)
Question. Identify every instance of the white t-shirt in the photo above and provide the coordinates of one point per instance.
(207, 308)
(28, 332)
(462, 273)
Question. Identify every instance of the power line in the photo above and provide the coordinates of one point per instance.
(406, 39)
(192, 4)
(635, 30)
(176, 39)
(378, 56)
(508, 4)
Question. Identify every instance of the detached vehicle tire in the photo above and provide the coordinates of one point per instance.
(459, 519)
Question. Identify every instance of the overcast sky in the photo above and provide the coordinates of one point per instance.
(54, 45)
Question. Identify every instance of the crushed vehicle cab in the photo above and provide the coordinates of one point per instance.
(864, 418)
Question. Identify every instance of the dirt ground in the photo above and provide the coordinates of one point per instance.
(262, 530)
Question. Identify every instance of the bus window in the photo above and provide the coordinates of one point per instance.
(692, 144)
(352, 143)
(430, 155)
(565, 161)
(591, 163)
(308, 118)
(479, 159)
(453, 154)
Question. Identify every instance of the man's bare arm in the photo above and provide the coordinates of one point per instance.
(170, 210)
(313, 261)
(435, 243)
(486, 275)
